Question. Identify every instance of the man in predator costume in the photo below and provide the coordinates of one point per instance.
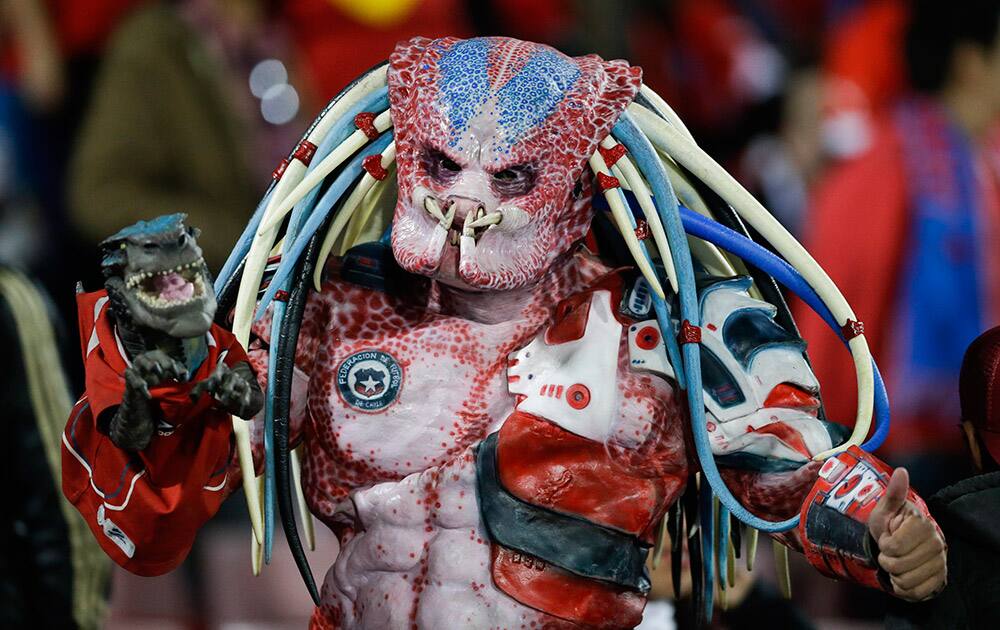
(488, 417)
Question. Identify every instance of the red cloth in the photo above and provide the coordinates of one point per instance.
(145, 508)
(866, 48)
(856, 231)
(336, 48)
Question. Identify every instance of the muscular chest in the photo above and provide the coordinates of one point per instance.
(395, 391)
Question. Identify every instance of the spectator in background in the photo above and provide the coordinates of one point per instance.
(780, 167)
(53, 574)
(967, 511)
(905, 230)
(173, 126)
(49, 50)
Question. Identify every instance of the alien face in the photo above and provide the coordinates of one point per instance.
(492, 138)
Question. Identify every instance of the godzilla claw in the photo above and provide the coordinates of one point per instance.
(135, 382)
(152, 368)
(235, 389)
(134, 422)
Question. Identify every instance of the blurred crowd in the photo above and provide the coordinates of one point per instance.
(868, 127)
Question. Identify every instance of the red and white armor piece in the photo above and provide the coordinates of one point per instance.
(571, 381)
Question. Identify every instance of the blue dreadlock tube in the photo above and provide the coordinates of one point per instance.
(378, 100)
(731, 241)
(666, 204)
(318, 214)
(762, 258)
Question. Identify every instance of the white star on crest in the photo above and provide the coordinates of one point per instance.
(369, 384)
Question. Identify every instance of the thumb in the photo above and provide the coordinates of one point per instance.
(891, 502)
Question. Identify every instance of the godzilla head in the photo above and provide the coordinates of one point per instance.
(492, 138)
(155, 269)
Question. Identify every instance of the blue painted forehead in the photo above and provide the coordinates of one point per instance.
(518, 83)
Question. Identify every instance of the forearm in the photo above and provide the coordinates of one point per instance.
(132, 423)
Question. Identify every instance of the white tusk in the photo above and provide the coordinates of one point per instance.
(469, 218)
(488, 219)
(432, 208)
(691, 157)
(752, 537)
(308, 531)
(642, 194)
(620, 215)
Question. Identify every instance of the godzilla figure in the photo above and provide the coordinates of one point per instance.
(154, 359)
(497, 417)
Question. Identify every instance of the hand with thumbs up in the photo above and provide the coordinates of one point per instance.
(912, 549)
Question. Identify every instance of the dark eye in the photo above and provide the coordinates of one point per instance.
(439, 166)
(514, 181)
(150, 246)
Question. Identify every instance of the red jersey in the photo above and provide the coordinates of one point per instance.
(145, 507)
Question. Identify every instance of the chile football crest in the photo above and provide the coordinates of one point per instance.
(369, 380)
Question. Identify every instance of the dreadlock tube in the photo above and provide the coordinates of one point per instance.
(316, 216)
(344, 100)
(622, 220)
(253, 269)
(774, 266)
(627, 132)
(367, 182)
(626, 223)
(691, 157)
(346, 149)
(638, 187)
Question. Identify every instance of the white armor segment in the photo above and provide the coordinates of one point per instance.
(645, 349)
(769, 366)
(736, 392)
(572, 384)
(793, 431)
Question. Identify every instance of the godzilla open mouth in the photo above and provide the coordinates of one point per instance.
(169, 288)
